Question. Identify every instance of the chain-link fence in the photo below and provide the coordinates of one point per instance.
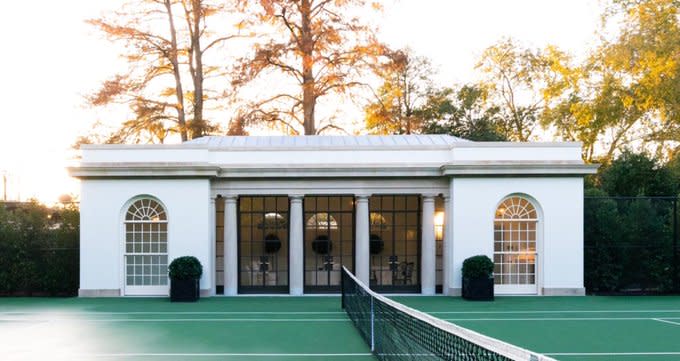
(631, 245)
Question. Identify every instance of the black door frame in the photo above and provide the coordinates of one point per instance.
(416, 287)
(327, 288)
(263, 289)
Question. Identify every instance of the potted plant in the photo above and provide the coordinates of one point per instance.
(272, 243)
(185, 273)
(478, 278)
(322, 244)
(376, 244)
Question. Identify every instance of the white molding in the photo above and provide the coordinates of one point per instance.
(518, 145)
(518, 168)
(357, 187)
(455, 291)
(99, 293)
(556, 291)
(191, 169)
(143, 169)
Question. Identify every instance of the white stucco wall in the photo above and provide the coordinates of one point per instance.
(560, 230)
(102, 208)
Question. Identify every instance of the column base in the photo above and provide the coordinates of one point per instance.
(427, 291)
(230, 291)
(296, 292)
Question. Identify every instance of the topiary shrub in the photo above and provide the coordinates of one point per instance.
(272, 243)
(478, 278)
(322, 244)
(185, 268)
(376, 244)
(185, 273)
(478, 267)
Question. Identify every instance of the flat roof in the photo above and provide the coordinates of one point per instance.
(323, 141)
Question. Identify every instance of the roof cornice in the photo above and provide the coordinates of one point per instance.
(207, 170)
(518, 168)
(134, 170)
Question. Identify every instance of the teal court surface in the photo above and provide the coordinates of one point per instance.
(315, 328)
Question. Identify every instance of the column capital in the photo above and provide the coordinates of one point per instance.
(362, 197)
(429, 197)
(295, 197)
(230, 198)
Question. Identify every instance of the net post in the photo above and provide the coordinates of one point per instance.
(676, 273)
(372, 326)
(342, 288)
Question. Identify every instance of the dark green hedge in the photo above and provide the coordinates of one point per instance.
(628, 244)
(39, 252)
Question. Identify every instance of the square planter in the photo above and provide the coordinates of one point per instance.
(478, 289)
(184, 290)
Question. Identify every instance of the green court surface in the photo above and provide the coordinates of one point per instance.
(315, 328)
(571, 328)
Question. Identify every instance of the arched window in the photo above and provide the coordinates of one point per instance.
(146, 244)
(322, 221)
(515, 233)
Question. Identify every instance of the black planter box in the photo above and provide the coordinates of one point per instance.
(478, 289)
(184, 290)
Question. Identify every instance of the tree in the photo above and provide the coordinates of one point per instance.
(628, 90)
(406, 81)
(512, 78)
(646, 53)
(165, 41)
(316, 44)
(634, 174)
(463, 113)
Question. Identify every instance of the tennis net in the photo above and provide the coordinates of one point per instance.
(397, 332)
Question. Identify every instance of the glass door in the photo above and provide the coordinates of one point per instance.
(395, 237)
(263, 244)
(329, 241)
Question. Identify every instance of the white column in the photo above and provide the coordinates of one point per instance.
(447, 249)
(230, 246)
(429, 251)
(296, 267)
(362, 246)
(213, 244)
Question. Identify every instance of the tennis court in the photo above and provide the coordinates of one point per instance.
(315, 328)
(571, 328)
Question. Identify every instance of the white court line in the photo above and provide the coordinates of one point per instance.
(611, 353)
(179, 313)
(320, 312)
(560, 319)
(330, 319)
(187, 320)
(666, 321)
(221, 355)
(556, 311)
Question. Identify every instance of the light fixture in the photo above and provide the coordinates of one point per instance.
(439, 226)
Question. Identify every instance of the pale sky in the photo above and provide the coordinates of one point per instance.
(51, 58)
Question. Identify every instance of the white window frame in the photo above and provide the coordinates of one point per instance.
(135, 290)
(519, 289)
